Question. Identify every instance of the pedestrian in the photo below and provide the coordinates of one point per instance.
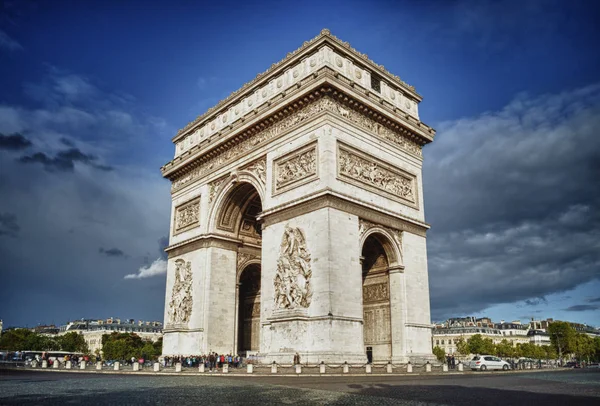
(453, 361)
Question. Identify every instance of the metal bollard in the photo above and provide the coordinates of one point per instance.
(82, 365)
(322, 368)
(460, 367)
(44, 364)
(428, 367)
(368, 368)
(99, 366)
(178, 367)
(409, 368)
(136, 366)
(225, 368)
(117, 366)
(273, 368)
(298, 369)
(202, 367)
(389, 367)
(444, 367)
(69, 365)
(346, 368)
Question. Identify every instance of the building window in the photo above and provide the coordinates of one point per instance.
(437, 342)
(442, 342)
(376, 83)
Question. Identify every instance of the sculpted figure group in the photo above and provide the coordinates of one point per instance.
(180, 306)
(292, 280)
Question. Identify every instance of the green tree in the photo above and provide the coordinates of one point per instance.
(15, 340)
(562, 337)
(439, 353)
(479, 345)
(505, 349)
(124, 346)
(73, 342)
(462, 347)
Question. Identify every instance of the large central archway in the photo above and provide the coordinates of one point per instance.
(376, 300)
(236, 214)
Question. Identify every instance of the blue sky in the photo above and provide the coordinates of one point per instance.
(92, 92)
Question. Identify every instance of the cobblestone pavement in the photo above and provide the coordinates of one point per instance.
(570, 387)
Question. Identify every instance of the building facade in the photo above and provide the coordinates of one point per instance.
(93, 330)
(297, 221)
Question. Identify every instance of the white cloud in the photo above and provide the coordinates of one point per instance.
(158, 267)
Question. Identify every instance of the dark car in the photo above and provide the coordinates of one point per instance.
(572, 364)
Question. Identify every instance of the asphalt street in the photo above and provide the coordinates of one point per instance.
(568, 387)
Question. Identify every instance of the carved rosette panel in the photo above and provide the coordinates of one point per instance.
(180, 306)
(295, 169)
(364, 226)
(292, 279)
(259, 169)
(279, 127)
(366, 171)
(187, 216)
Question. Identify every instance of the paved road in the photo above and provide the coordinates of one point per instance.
(572, 387)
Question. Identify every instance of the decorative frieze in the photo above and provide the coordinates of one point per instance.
(292, 279)
(376, 292)
(252, 143)
(187, 216)
(371, 173)
(180, 305)
(295, 169)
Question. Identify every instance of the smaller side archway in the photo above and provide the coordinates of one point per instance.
(378, 255)
(248, 331)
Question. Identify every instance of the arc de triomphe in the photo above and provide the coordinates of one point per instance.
(297, 217)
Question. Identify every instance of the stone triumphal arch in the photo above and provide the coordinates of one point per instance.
(297, 217)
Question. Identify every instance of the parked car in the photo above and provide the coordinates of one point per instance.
(572, 364)
(485, 362)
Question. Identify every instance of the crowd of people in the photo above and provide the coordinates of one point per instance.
(212, 361)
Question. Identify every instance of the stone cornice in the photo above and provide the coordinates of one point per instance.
(328, 84)
(328, 198)
(325, 37)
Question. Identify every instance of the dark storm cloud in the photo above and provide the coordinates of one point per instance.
(8, 225)
(14, 142)
(112, 252)
(594, 300)
(536, 301)
(64, 161)
(163, 243)
(513, 200)
(582, 308)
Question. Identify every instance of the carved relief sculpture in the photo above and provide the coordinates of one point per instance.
(357, 167)
(376, 292)
(213, 187)
(292, 280)
(296, 168)
(259, 169)
(180, 306)
(187, 216)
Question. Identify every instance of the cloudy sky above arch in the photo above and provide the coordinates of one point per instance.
(91, 97)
